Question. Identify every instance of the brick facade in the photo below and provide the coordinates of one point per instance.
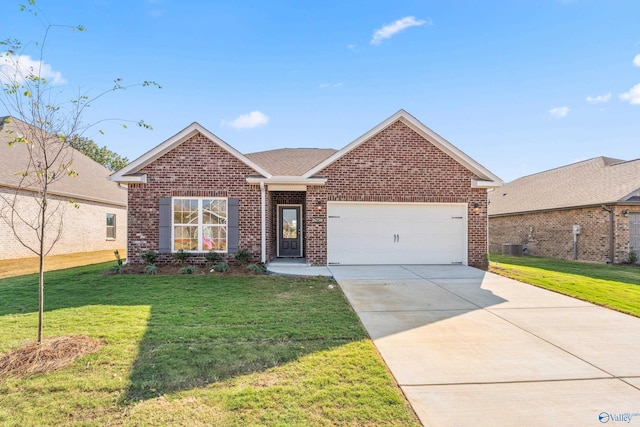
(199, 168)
(550, 233)
(395, 165)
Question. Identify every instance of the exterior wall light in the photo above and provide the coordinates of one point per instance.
(318, 206)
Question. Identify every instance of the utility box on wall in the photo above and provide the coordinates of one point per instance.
(512, 249)
(577, 229)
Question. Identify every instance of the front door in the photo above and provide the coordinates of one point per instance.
(289, 231)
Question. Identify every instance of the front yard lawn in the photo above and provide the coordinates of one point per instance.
(613, 286)
(197, 350)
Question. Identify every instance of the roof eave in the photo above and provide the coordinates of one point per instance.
(413, 123)
(295, 180)
(168, 145)
(482, 183)
(563, 208)
(127, 179)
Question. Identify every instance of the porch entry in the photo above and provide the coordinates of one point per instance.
(290, 231)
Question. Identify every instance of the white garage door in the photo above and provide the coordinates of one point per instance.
(405, 233)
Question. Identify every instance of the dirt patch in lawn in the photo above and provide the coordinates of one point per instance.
(51, 355)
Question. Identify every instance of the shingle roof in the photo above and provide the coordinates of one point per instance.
(290, 161)
(600, 180)
(91, 184)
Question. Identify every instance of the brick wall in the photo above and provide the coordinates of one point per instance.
(550, 233)
(396, 165)
(197, 168)
(83, 229)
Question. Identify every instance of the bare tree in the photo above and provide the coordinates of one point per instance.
(39, 128)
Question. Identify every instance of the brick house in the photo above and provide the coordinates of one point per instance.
(99, 223)
(601, 196)
(400, 193)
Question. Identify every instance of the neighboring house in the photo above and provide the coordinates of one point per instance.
(99, 223)
(399, 194)
(601, 196)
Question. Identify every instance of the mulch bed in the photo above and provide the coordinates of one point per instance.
(51, 355)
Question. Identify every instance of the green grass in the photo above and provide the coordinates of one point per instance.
(197, 350)
(613, 286)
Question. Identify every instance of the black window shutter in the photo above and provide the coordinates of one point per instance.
(164, 239)
(233, 235)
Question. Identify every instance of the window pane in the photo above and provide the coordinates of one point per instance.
(214, 211)
(185, 211)
(208, 239)
(289, 223)
(185, 238)
(111, 226)
(214, 238)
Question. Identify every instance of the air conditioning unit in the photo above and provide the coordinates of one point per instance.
(512, 249)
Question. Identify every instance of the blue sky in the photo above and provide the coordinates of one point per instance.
(519, 85)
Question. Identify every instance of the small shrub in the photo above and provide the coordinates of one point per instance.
(633, 256)
(243, 256)
(213, 257)
(181, 256)
(149, 257)
(117, 255)
(256, 269)
(188, 269)
(221, 267)
(116, 269)
(151, 269)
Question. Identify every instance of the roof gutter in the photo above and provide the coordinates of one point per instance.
(70, 196)
(565, 208)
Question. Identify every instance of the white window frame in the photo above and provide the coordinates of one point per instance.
(111, 226)
(200, 225)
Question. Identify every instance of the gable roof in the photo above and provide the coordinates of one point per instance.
(130, 173)
(601, 180)
(484, 177)
(290, 161)
(300, 165)
(91, 184)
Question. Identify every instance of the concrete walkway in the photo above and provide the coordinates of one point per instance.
(472, 348)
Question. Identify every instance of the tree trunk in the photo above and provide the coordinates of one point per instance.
(40, 298)
(41, 275)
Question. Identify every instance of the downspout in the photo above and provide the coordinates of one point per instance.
(611, 234)
(263, 223)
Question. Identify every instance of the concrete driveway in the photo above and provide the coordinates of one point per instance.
(472, 348)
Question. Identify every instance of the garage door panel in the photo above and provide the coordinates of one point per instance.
(370, 233)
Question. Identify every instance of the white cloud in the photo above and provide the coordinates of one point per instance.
(636, 61)
(330, 85)
(390, 30)
(559, 112)
(248, 121)
(15, 68)
(633, 96)
(599, 98)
